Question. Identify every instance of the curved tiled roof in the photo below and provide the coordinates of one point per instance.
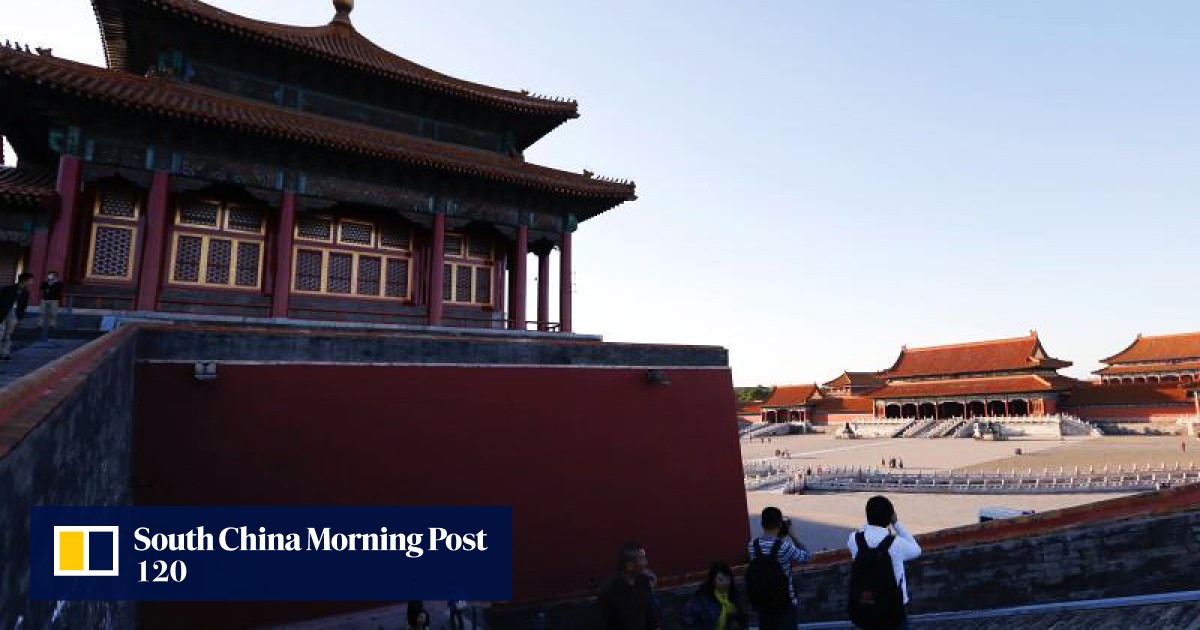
(25, 186)
(855, 379)
(1149, 369)
(792, 396)
(1159, 348)
(1022, 384)
(1127, 394)
(1000, 355)
(337, 42)
(177, 100)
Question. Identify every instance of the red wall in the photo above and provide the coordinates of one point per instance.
(587, 458)
(1145, 413)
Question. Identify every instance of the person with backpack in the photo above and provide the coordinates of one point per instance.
(878, 592)
(769, 575)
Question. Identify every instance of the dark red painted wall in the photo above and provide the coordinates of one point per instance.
(587, 458)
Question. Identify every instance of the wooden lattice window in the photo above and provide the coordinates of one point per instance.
(200, 213)
(355, 233)
(213, 260)
(370, 275)
(397, 278)
(395, 237)
(117, 203)
(309, 265)
(243, 219)
(483, 285)
(453, 246)
(111, 256)
(467, 284)
(314, 229)
(347, 273)
(479, 247)
(340, 273)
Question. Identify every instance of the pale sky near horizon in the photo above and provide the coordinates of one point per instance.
(822, 182)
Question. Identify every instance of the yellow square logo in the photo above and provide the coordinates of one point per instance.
(86, 550)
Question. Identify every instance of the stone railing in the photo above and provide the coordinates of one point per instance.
(1047, 481)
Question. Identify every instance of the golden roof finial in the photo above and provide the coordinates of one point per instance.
(343, 8)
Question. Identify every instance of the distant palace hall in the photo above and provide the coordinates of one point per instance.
(227, 166)
(1147, 383)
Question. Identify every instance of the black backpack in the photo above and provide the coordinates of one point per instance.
(875, 599)
(766, 582)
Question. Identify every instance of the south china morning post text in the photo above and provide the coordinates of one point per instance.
(312, 539)
(292, 553)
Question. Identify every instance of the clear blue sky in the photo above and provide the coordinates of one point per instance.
(821, 182)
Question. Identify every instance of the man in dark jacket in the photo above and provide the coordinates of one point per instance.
(14, 299)
(51, 294)
(627, 600)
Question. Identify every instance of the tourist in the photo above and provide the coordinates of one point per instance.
(901, 464)
(51, 294)
(417, 616)
(14, 299)
(715, 605)
(882, 531)
(627, 600)
(777, 549)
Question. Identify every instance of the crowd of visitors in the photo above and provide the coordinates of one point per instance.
(877, 592)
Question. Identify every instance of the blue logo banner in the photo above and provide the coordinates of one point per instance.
(271, 553)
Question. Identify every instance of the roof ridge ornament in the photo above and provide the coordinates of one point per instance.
(343, 8)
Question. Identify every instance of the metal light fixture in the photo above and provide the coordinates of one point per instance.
(657, 377)
(205, 371)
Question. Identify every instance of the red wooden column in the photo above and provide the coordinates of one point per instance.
(281, 292)
(69, 173)
(154, 243)
(564, 284)
(437, 263)
(37, 256)
(543, 290)
(520, 274)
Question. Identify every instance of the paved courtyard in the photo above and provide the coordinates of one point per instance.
(824, 521)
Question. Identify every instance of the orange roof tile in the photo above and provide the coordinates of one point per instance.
(337, 42)
(845, 404)
(1159, 348)
(1025, 383)
(1001, 355)
(174, 99)
(1148, 369)
(792, 396)
(855, 379)
(1122, 394)
(25, 186)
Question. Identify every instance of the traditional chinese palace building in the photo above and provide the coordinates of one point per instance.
(1152, 382)
(227, 166)
(1158, 359)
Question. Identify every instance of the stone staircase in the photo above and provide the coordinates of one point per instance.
(32, 349)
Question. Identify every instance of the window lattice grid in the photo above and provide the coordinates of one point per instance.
(479, 247)
(200, 213)
(339, 274)
(453, 245)
(249, 256)
(370, 275)
(395, 237)
(220, 257)
(186, 267)
(118, 204)
(397, 278)
(483, 285)
(112, 251)
(355, 233)
(462, 284)
(244, 219)
(308, 270)
(447, 282)
(314, 229)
